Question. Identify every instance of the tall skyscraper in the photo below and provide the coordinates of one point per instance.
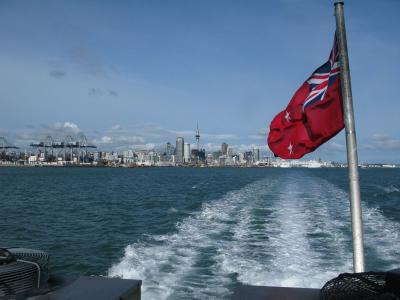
(169, 149)
(224, 148)
(168, 152)
(179, 150)
(186, 153)
(256, 154)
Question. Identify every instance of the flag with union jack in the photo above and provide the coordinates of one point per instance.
(313, 115)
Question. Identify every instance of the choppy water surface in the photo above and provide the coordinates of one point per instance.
(198, 233)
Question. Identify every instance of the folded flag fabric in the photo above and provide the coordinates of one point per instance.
(313, 115)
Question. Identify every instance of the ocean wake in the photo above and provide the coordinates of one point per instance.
(388, 189)
(287, 231)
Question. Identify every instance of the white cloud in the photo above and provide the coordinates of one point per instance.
(148, 146)
(116, 127)
(155, 132)
(119, 140)
(261, 134)
(58, 131)
(380, 137)
(129, 139)
(106, 140)
(222, 137)
(138, 147)
(333, 147)
(67, 127)
(211, 136)
(119, 137)
(380, 141)
(73, 127)
(182, 133)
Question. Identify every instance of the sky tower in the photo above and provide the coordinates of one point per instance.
(197, 136)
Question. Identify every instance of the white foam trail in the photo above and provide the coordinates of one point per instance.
(286, 257)
(382, 236)
(167, 263)
(388, 189)
(290, 231)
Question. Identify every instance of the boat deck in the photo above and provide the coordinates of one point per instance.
(88, 288)
(249, 292)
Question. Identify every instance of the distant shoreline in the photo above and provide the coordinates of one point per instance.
(342, 166)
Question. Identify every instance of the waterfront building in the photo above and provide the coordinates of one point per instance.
(248, 156)
(186, 153)
(235, 159)
(210, 159)
(164, 157)
(96, 156)
(145, 158)
(241, 158)
(256, 154)
(129, 157)
(128, 153)
(169, 150)
(32, 159)
(154, 157)
(222, 160)
(42, 157)
(224, 148)
(179, 150)
(199, 155)
(216, 157)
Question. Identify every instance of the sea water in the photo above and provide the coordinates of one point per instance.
(199, 233)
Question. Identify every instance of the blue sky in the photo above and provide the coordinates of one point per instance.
(135, 74)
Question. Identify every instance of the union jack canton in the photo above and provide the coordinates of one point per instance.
(323, 77)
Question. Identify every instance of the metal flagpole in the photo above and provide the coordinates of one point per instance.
(352, 158)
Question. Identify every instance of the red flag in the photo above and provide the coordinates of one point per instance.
(313, 115)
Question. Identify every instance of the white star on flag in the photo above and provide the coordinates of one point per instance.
(290, 148)
(287, 116)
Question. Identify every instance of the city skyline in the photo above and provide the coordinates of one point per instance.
(138, 74)
(69, 133)
(114, 138)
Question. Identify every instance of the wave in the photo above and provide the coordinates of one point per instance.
(382, 237)
(388, 189)
(169, 264)
(304, 246)
(287, 231)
